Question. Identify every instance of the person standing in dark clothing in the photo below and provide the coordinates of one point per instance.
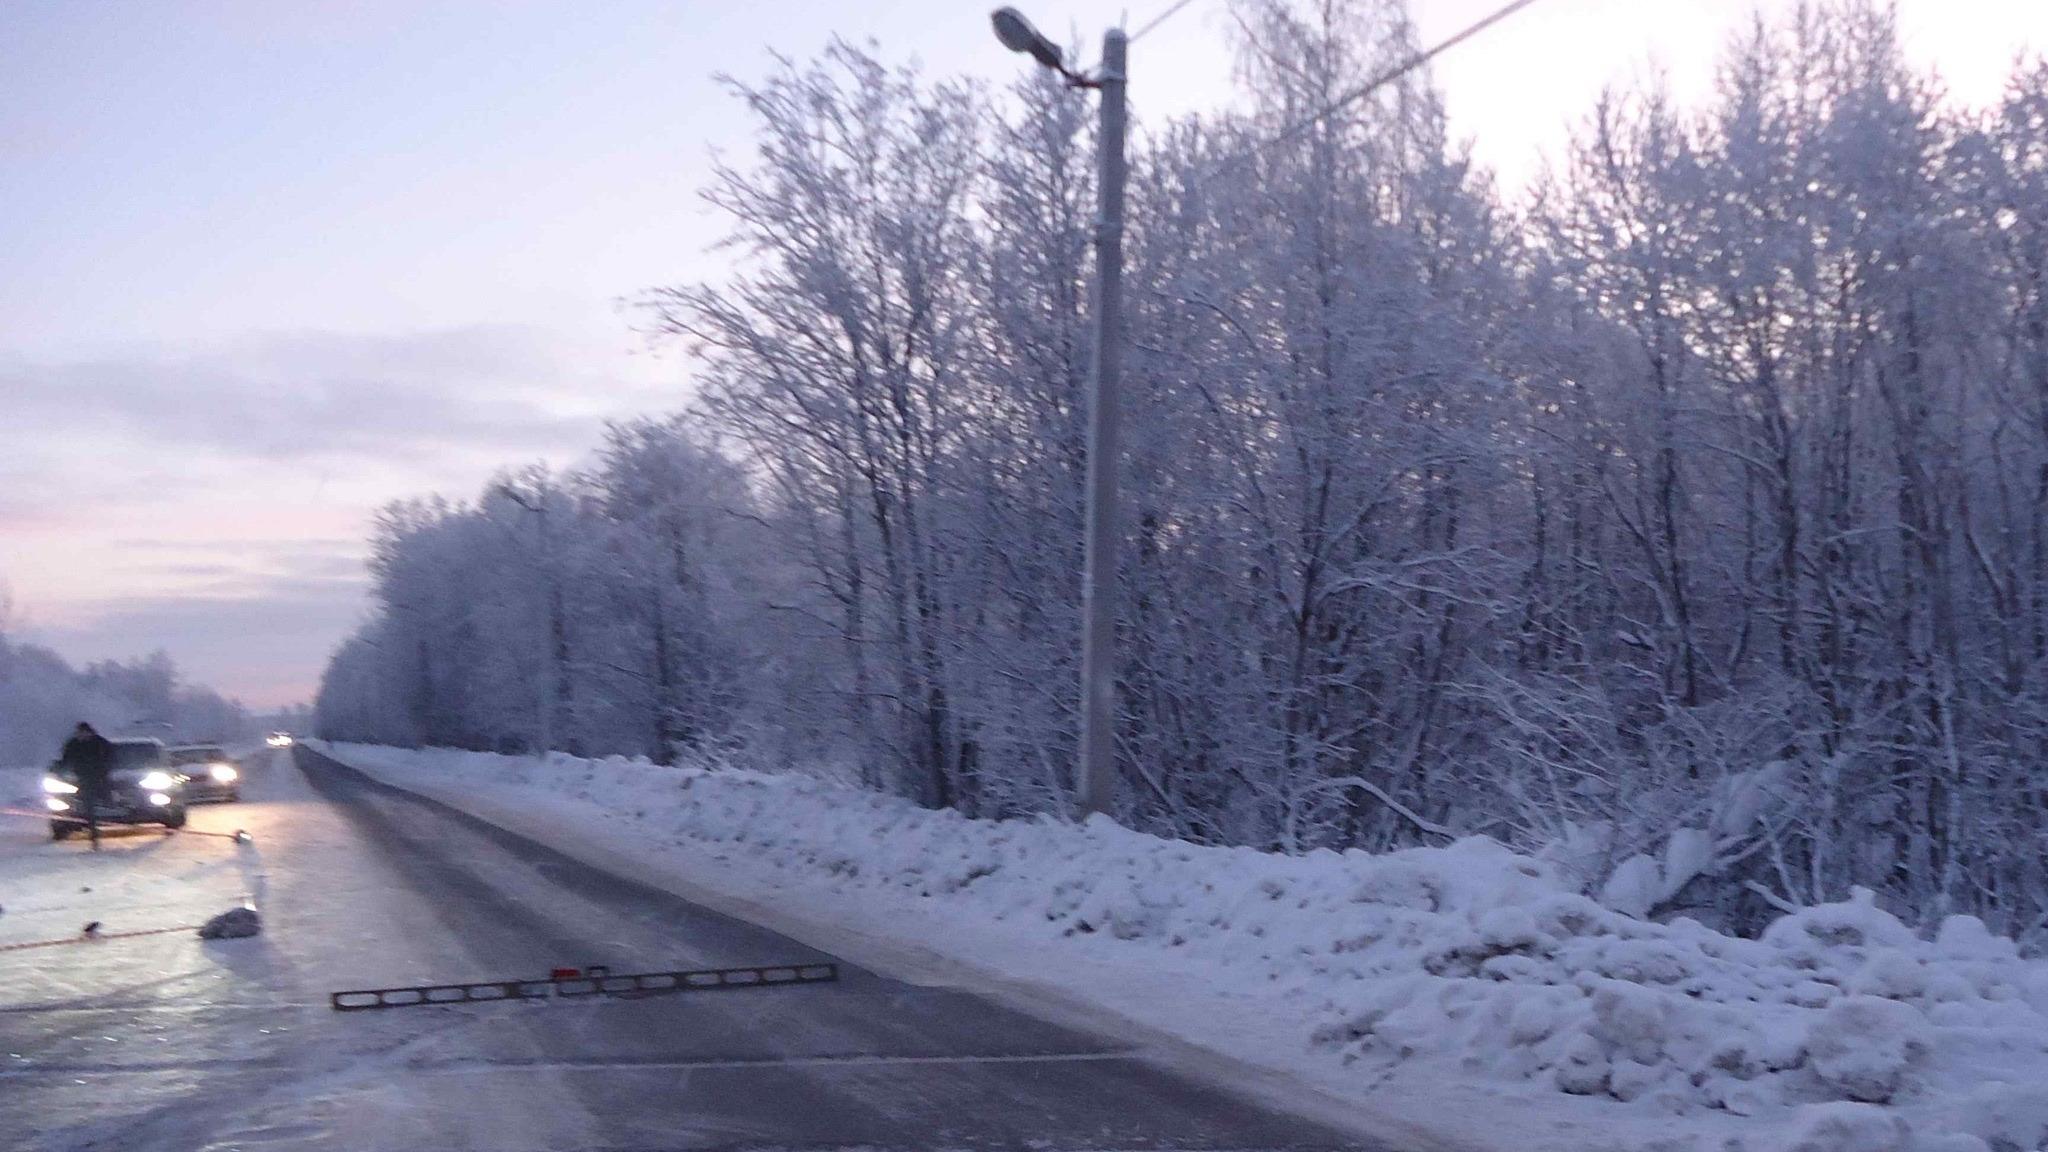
(90, 757)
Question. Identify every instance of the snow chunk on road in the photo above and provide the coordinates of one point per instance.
(232, 924)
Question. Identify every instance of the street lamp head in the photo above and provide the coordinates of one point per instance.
(1018, 35)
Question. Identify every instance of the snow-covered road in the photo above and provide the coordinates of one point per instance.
(165, 1041)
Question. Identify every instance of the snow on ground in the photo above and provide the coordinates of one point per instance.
(147, 891)
(145, 1041)
(1465, 989)
(143, 880)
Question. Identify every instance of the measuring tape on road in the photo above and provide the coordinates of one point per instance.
(572, 983)
(238, 835)
(97, 938)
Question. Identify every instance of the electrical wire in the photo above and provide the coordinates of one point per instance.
(1156, 21)
(1381, 80)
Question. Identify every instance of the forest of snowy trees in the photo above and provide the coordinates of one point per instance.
(1683, 517)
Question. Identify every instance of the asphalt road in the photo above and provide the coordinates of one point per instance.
(168, 1042)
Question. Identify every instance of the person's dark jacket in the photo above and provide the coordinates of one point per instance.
(90, 756)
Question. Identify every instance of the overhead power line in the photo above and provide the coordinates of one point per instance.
(1162, 18)
(1399, 70)
(1381, 80)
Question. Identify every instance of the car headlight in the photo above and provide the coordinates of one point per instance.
(55, 805)
(157, 782)
(56, 787)
(159, 799)
(224, 773)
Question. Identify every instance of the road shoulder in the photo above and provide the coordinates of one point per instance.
(818, 920)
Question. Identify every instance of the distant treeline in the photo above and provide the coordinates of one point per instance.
(42, 697)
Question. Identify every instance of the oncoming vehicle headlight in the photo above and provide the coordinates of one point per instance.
(159, 799)
(157, 782)
(55, 805)
(56, 787)
(224, 773)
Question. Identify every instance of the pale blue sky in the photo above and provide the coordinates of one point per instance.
(265, 264)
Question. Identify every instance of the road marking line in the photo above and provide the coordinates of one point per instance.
(470, 1068)
(592, 1064)
(133, 1006)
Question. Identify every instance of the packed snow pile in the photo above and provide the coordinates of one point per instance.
(1840, 1021)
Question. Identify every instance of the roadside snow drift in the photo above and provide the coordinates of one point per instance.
(1840, 1029)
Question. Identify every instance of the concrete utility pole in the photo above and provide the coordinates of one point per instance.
(553, 705)
(1095, 783)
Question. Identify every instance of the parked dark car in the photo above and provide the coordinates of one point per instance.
(207, 772)
(141, 789)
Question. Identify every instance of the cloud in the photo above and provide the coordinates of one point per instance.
(214, 502)
(262, 641)
(514, 391)
(19, 512)
(217, 569)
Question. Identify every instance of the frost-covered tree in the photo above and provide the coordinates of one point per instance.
(1685, 519)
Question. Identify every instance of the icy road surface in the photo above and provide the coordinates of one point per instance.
(170, 1042)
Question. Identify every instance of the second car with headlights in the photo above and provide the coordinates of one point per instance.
(207, 772)
(141, 789)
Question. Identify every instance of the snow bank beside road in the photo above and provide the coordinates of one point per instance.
(1838, 1030)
